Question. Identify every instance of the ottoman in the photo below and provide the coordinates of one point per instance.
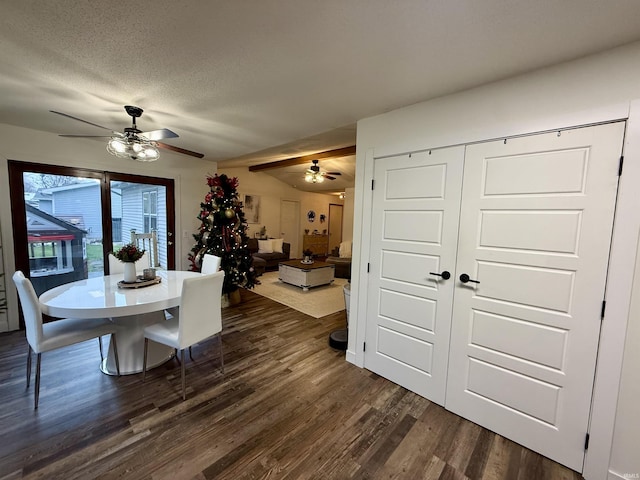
(259, 265)
(343, 266)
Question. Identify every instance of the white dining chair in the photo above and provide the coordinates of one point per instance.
(210, 263)
(43, 337)
(148, 242)
(116, 266)
(192, 323)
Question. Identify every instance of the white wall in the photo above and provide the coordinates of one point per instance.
(271, 191)
(27, 145)
(590, 90)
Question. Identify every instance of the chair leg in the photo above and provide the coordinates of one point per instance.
(184, 390)
(37, 392)
(221, 353)
(101, 352)
(29, 355)
(175, 354)
(115, 352)
(144, 359)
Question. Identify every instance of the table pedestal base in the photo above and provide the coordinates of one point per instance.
(130, 339)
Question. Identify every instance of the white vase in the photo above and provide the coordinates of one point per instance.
(130, 275)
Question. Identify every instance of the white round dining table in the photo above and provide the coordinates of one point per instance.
(131, 309)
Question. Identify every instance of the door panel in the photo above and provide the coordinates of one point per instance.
(57, 224)
(414, 232)
(535, 227)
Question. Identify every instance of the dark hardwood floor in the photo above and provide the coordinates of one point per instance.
(288, 407)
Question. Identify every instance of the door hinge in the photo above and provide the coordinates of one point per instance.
(604, 306)
(368, 267)
(364, 347)
(620, 165)
(372, 180)
(586, 441)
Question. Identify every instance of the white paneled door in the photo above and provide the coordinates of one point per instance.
(535, 231)
(416, 204)
(520, 316)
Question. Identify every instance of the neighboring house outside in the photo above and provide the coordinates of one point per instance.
(41, 201)
(134, 206)
(144, 210)
(82, 200)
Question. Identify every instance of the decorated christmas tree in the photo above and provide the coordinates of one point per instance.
(223, 233)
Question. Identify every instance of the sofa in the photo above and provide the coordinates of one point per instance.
(272, 251)
(341, 258)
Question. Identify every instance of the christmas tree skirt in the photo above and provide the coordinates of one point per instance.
(317, 302)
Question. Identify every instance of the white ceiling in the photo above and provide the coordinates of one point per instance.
(252, 81)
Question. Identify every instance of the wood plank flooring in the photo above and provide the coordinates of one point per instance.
(288, 407)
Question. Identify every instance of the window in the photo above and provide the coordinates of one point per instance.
(150, 210)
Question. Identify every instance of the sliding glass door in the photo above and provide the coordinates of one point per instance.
(141, 207)
(66, 220)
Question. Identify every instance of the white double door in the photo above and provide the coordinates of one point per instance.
(528, 222)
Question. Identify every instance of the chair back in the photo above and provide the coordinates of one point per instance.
(210, 264)
(30, 309)
(148, 242)
(200, 308)
(116, 266)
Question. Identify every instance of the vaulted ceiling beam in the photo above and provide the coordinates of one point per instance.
(288, 162)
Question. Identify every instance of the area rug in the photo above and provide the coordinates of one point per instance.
(317, 302)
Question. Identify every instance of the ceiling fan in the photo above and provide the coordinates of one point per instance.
(314, 175)
(134, 143)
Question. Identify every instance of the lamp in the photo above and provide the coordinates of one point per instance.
(134, 147)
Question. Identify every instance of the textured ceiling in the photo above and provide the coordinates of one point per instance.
(250, 81)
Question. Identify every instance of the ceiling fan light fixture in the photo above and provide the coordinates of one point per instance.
(116, 146)
(133, 148)
(313, 177)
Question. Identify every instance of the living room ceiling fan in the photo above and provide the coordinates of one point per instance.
(314, 175)
(133, 143)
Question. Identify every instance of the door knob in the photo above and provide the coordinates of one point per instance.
(445, 275)
(464, 278)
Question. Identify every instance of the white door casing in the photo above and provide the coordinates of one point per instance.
(414, 232)
(535, 231)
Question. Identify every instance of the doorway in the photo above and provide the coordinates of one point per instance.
(290, 225)
(335, 226)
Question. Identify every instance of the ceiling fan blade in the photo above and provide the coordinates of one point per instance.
(79, 119)
(329, 177)
(333, 173)
(166, 146)
(86, 136)
(159, 134)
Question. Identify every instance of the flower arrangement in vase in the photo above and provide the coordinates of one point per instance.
(129, 254)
